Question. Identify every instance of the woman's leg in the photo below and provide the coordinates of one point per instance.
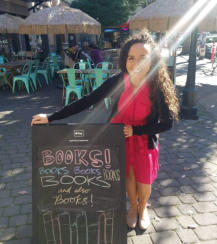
(132, 195)
(144, 192)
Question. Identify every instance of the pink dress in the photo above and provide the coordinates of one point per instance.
(133, 109)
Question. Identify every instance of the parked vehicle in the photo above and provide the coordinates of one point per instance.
(208, 46)
(204, 45)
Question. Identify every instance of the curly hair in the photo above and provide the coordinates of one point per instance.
(159, 78)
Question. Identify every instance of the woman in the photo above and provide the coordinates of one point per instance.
(95, 54)
(144, 100)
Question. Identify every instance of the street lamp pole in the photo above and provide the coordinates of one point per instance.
(189, 95)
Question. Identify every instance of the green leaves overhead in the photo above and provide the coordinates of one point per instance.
(109, 12)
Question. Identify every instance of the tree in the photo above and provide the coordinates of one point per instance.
(145, 3)
(108, 12)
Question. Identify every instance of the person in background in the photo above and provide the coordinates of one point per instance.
(85, 47)
(76, 53)
(144, 100)
(95, 54)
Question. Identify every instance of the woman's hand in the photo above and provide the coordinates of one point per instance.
(39, 119)
(128, 131)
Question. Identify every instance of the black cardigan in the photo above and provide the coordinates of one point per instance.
(113, 88)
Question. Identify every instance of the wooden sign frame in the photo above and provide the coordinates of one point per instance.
(78, 184)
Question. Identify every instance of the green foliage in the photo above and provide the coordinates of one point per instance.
(109, 12)
(145, 3)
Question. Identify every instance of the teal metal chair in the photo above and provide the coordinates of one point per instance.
(34, 72)
(75, 84)
(90, 64)
(98, 82)
(98, 73)
(55, 64)
(3, 60)
(64, 82)
(4, 74)
(107, 58)
(85, 76)
(45, 70)
(105, 66)
(3, 78)
(81, 65)
(24, 78)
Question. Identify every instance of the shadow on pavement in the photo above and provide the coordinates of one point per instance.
(187, 173)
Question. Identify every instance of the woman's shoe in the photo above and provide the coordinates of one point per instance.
(144, 221)
(132, 218)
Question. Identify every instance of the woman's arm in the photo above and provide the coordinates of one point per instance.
(94, 97)
(85, 102)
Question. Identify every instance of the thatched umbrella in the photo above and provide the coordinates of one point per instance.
(10, 23)
(162, 16)
(59, 20)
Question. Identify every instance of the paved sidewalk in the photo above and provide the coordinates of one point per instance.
(206, 82)
(184, 198)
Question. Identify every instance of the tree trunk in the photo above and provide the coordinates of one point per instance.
(186, 46)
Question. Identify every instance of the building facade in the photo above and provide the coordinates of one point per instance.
(15, 7)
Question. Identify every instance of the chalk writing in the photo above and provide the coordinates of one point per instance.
(48, 181)
(66, 190)
(96, 158)
(78, 185)
(54, 170)
(111, 175)
(78, 228)
(89, 171)
(82, 190)
(77, 200)
(108, 158)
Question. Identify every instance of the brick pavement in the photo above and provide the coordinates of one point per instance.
(184, 198)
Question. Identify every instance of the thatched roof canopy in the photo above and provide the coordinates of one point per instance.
(59, 20)
(162, 15)
(10, 23)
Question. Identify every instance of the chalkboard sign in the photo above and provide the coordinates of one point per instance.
(78, 174)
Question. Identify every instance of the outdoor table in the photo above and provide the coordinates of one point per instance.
(90, 71)
(86, 72)
(12, 68)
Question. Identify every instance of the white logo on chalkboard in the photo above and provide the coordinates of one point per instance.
(78, 133)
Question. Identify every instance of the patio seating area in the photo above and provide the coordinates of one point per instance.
(29, 70)
(30, 75)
